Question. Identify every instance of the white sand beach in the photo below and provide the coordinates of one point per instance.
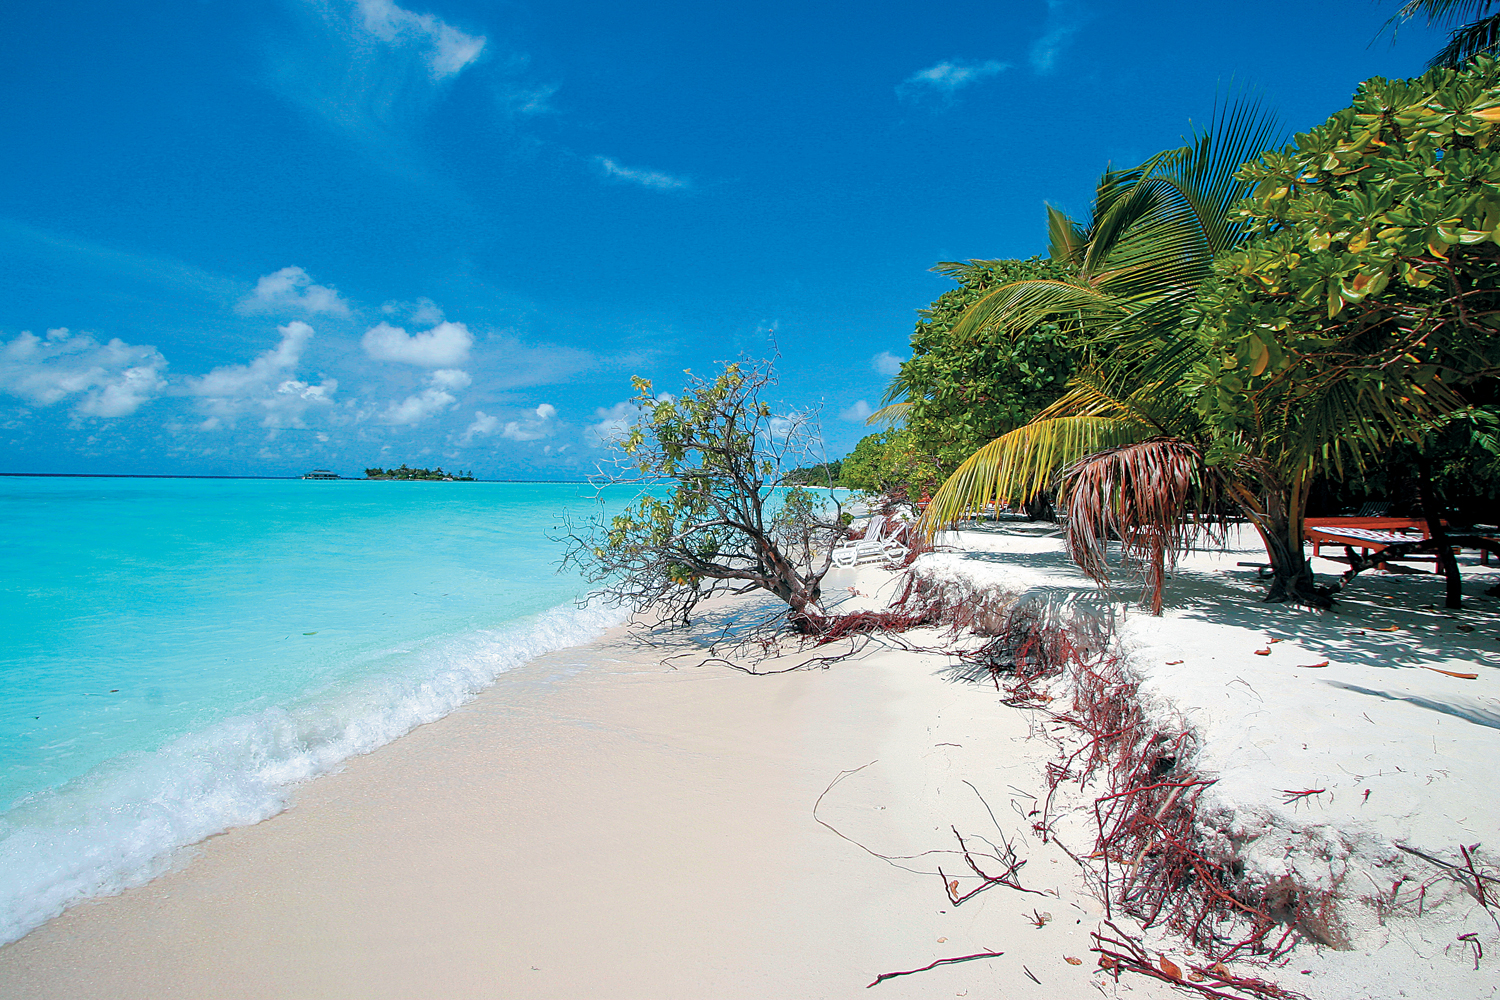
(599, 823)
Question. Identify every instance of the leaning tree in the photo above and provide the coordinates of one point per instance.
(707, 516)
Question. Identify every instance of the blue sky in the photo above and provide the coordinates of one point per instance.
(257, 237)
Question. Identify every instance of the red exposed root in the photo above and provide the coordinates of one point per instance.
(1122, 953)
(1150, 858)
(921, 604)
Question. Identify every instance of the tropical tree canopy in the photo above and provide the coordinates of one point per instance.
(956, 394)
(884, 463)
(1369, 296)
(1352, 302)
(1129, 273)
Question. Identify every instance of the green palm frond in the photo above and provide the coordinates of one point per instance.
(1205, 173)
(1021, 305)
(1445, 11)
(1469, 41)
(891, 414)
(1096, 392)
(963, 271)
(1475, 29)
(1019, 465)
(900, 387)
(1066, 239)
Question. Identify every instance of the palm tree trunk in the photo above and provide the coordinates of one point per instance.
(1433, 512)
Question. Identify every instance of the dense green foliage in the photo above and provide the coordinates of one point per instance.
(1369, 296)
(402, 472)
(1128, 272)
(1305, 311)
(885, 463)
(1327, 303)
(962, 392)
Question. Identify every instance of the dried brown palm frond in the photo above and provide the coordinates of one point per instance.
(1157, 496)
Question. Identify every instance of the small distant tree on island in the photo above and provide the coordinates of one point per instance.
(402, 472)
(707, 519)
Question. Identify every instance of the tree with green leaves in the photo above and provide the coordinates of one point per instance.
(1366, 306)
(954, 394)
(888, 463)
(707, 518)
(825, 474)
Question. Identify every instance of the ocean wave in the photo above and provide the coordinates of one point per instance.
(121, 824)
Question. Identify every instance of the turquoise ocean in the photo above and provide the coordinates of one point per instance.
(179, 653)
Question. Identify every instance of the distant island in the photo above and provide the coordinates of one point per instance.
(814, 475)
(436, 475)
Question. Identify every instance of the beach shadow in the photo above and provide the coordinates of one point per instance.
(1477, 714)
(1390, 622)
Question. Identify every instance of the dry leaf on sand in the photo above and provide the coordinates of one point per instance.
(1263, 652)
(1173, 663)
(1311, 666)
(1169, 968)
(1452, 673)
(1072, 961)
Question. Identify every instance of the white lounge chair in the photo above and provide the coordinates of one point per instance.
(875, 546)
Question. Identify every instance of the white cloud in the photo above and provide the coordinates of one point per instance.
(109, 380)
(535, 425)
(448, 50)
(415, 409)
(947, 77)
(1045, 50)
(856, 414)
(528, 100)
(292, 290)
(654, 179)
(886, 363)
(483, 426)
(443, 345)
(450, 378)
(611, 424)
(430, 401)
(265, 386)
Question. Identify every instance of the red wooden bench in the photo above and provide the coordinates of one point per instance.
(1369, 534)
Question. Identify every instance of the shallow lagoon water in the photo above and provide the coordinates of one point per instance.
(179, 653)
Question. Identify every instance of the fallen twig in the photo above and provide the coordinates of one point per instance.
(1478, 882)
(942, 961)
(1478, 875)
(1472, 938)
(1006, 878)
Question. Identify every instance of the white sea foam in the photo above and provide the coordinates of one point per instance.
(119, 825)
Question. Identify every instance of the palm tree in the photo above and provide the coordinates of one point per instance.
(1476, 27)
(1124, 437)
